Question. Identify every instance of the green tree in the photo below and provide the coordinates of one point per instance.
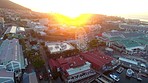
(38, 62)
(93, 43)
(42, 43)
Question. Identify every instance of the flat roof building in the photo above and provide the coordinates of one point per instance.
(134, 27)
(30, 78)
(58, 47)
(98, 60)
(129, 46)
(11, 30)
(6, 77)
(14, 32)
(11, 56)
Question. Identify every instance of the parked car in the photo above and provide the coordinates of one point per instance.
(49, 73)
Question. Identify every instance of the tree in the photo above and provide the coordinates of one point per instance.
(42, 43)
(38, 62)
(33, 42)
(93, 43)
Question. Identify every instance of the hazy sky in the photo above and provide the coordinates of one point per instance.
(75, 7)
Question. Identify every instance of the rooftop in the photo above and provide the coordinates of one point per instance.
(14, 29)
(142, 40)
(138, 27)
(59, 47)
(70, 65)
(19, 29)
(130, 44)
(5, 76)
(71, 62)
(11, 50)
(30, 78)
(97, 57)
(125, 34)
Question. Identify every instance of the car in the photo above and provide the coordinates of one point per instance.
(49, 73)
(115, 77)
(40, 77)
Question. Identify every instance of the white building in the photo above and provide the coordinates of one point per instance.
(58, 47)
(15, 30)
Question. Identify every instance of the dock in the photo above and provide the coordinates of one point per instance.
(137, 76)
(105, 79)
(134, 68)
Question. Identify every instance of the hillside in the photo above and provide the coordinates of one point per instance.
(11, 5)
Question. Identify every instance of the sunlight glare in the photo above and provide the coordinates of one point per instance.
(77, 21)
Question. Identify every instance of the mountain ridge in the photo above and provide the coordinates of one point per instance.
(11, 5)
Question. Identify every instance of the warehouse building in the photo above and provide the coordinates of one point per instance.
(99, 60)
(11, 56)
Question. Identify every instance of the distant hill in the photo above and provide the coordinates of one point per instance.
(11, 5)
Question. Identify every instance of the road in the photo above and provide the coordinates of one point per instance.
(44, 56)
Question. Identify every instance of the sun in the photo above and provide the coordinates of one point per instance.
(72, 20)
(72, 15)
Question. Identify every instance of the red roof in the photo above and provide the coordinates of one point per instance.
(62, 61)
(93, 60)
(53, 64)
(74, 61)
(70, 62)
(97, 58)
(100, 34)
(102, 57)
(65, 67)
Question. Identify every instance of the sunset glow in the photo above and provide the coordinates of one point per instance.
(74, 8)
(77, 21)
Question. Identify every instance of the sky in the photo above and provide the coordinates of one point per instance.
(76, 7)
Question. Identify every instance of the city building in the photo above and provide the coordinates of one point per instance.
(99, 60)
(58, 47)
(30, 78)
(6, 76)
(73, 68)
(127, 46)
(134, 27)
(123, 34)
(15, 32)
(134, 63)
(11, 56)
(128, 42)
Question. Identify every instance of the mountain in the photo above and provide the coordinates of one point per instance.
(11, 5)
